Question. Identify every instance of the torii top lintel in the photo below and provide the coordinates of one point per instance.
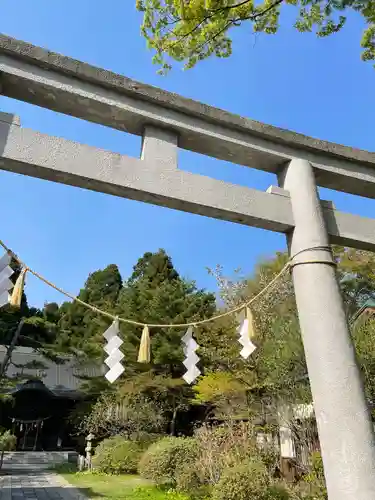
(167, 121)
(63, 84)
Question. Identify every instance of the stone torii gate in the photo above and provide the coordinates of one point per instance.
(167, 122)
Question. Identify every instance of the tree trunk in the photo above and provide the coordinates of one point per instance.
(1, 459)
(173, 422)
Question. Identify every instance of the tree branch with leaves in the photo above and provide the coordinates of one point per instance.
(190, 31)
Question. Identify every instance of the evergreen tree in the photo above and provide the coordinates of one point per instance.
(81, 329)
(156, 294)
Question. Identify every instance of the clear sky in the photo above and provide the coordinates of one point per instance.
(296, 81)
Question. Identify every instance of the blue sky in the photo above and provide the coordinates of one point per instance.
(296, 81)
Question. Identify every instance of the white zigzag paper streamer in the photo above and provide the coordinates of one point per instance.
(113, 361)
(244, 340)
(191, 360)
(5, 284)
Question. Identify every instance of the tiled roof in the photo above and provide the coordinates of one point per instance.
(59, 378)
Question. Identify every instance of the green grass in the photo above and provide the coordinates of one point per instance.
(125, 487)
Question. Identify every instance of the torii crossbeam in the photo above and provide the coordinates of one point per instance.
(167, 122)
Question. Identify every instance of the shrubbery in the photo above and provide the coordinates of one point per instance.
(276, 492)
(248, 481)
(8, 442)
(152, 493)
(145, 439)
(222, 463)
(222, 447)
(164, 459)
(190, 479)
(117, 455)
(219, 463)
(242, 482)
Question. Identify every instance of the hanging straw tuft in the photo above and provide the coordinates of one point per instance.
(16, 297)
(144, 353)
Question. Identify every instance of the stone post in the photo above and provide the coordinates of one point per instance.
(88, 450)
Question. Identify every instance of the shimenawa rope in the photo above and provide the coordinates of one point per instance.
(234, 310)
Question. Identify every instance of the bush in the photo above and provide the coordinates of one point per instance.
(276, 492)
(164, 459)
(225, 446)
(248, 481)
(145, 439)
(190, 480)
(8, 441)
(117, 455)
(152, 493)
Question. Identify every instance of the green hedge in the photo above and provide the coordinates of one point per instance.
(117, 455)
(7, 441)
(248, 481)
(164, 459)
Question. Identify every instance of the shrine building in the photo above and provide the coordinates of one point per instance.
(37, 409)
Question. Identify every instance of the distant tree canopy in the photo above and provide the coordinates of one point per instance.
(192, 30)
(277, 369)
(230, 386)
(156, 293)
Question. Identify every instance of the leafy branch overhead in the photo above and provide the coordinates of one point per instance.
(192, 30)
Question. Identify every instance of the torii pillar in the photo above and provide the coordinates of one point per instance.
(343, 418)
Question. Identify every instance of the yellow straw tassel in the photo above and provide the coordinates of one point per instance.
(144, 354)
(250, 323)
(16, 297)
